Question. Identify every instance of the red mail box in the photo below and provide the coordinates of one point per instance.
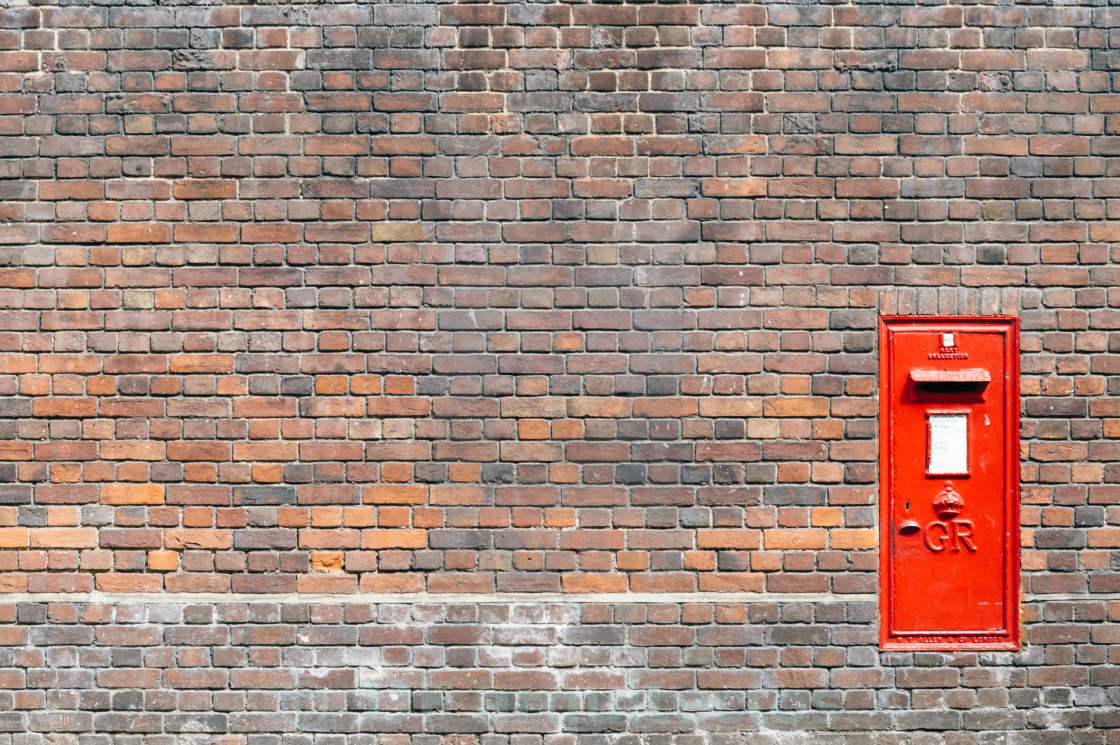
(949, 469)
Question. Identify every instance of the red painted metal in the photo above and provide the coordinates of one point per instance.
(949, 474)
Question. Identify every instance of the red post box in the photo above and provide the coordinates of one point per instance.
(949, 470)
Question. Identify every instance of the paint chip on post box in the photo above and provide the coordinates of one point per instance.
(949, 449)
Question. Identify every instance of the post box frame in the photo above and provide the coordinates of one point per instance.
(1008, 637)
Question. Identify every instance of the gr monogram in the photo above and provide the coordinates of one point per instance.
(952, 535)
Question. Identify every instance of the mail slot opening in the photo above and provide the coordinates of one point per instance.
(953, 383)
(949, 387)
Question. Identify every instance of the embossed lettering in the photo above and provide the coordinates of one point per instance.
(938, 544)
(962, 534)
(951, 535)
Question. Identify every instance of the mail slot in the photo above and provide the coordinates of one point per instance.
(949, 472)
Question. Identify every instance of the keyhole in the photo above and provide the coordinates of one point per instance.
(907, 506)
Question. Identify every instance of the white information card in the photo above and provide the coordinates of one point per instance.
(948, 444)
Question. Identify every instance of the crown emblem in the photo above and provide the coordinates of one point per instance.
(948, 503)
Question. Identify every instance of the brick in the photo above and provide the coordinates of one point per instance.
(593, 583)
(138, 233)
(792, 539)
(395, 494)
(132, 494)
(201, 363)
(132, 450)
(197, 539)
(62, 537)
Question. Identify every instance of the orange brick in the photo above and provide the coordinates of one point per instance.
(392, 582)
(559, 517)
(327, 584)
(63, 537)
(563, 473)
(331, 385)
(326, 517)
(793, 473)
(13, 538)
(131, 494)
(532, 429)
(138, 232)
(632, 561)
(593, 583)
(394, 494)
(663, 582)
(132, 471)
(62, 516)
(201, 363)
(10, 450)
(465, 472)
(427, 517)
(101, 386)
(733, 187)
(394, 517)
(266, 451)
(665, 407)
(74, 408)
(727, 538)
(293, 517)
(17, 364)
(66, 473)
(567, 429)
(399, 385)
(359, 517)
(827, 517)
(730, 407)
(795, 407)
(365, 385)
(599, 408)
(268, 473)
(198, 517)
(11, 582)
(188, 538)
(731, 582)
(567, 342)
(853, 538)
(200, 472)
(163, 561)
(39, 385)
(700, 561)
(326, 561)
(204, 189)
(793, 539)
(457, 495)
(328, 538)
(1104, 537)
(394, 538)
(132, 450)
(396, 472)
(461, 582)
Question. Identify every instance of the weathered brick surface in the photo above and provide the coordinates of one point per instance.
(503, 672)
(537, 297)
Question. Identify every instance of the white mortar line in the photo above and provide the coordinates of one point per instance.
(1035, 597)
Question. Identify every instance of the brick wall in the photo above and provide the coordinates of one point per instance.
(536, 341)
